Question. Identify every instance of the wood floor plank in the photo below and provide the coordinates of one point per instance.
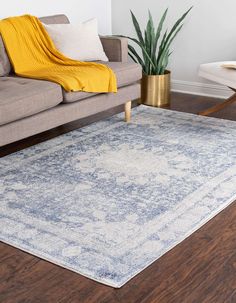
(201, 269)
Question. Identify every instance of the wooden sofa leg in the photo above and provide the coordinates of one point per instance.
(128, 111)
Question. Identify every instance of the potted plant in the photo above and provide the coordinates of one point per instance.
(154, 58)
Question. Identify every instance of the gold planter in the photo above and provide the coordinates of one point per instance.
(155, 90)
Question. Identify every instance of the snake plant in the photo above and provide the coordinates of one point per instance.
(155, 47)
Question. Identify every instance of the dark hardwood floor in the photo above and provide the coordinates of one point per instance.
(202, 269)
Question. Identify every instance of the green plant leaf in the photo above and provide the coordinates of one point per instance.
(147, 57)
(176, 25)
(174, 35)
(166, 50)
(164, 63)
(158, 34)
(149, 36)
(137, 28)
(151, 31)
(168, 38)
(161, 49)
(134, 55)
(155, 53)
(161, 63)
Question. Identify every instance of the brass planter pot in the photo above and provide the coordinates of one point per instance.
(155, 90)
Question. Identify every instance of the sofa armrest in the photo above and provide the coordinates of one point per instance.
(116, 48)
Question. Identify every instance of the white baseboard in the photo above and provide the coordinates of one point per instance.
(201, 89)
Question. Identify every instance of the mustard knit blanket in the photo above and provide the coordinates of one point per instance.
(33, 55)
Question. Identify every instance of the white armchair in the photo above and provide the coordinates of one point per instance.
(217, 73)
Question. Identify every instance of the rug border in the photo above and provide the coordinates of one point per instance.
(119, 285)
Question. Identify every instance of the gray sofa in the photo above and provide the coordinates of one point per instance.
(28, 106)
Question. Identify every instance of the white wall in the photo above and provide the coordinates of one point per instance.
(76, 10)
(209, 35)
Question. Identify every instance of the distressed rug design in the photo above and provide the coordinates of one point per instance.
(109, 199)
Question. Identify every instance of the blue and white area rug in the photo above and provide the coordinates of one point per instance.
(107, 200)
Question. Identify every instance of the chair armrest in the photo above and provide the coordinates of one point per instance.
(116, 48)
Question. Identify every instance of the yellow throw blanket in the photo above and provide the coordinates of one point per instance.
(33, 55)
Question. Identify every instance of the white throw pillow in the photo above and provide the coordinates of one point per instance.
(79, 42)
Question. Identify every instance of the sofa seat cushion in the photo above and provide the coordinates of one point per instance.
(126, 74)
(22, 97)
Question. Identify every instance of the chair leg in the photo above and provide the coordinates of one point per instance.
(218, 107)
(128, 111)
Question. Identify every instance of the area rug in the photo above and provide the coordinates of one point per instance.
(107, 200)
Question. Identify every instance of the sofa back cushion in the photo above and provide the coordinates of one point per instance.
(56, 19)
(5, 65)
